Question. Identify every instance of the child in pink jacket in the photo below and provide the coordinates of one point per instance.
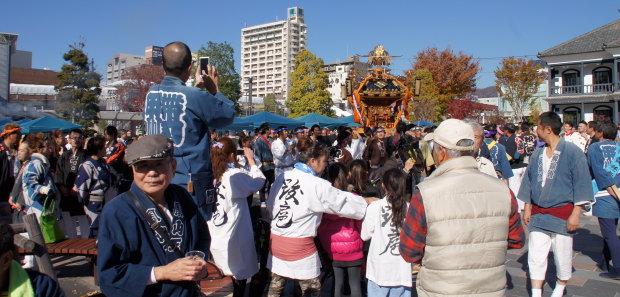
(340, 238)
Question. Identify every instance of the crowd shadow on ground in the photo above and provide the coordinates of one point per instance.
(588, 244)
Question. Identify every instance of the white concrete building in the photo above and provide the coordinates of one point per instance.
(489, 100)
(583, 82)
(338, 73)
(268, 52)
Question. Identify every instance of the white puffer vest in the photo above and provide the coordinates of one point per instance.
(467, 214)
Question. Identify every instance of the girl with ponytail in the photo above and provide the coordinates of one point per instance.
(232, 237)
(387, 272)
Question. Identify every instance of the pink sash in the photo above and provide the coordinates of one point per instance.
(291, 248)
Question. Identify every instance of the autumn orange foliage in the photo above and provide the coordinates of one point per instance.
(517, 81)
(138, 80)
(453, 76)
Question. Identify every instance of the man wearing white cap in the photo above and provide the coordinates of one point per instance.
(460, 222)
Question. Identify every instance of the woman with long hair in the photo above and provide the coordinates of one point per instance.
(55, 147)
(230, 227)
(387, 272)
(359, 183)
(340, 238)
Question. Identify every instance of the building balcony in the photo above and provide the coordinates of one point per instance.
(584, 89)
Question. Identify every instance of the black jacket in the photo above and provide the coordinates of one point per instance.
(66, 172)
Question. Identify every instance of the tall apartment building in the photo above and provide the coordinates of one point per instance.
(268, 52)
(115, 69)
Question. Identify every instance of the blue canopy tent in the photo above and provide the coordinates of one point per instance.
(8, 120)
(238, 124)
(424, 123)
(349, 121)
(4, 121)
(321, 120)
(47, 124)
(273, 119)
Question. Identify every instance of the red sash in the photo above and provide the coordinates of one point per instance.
(265, 139)
(562, 212)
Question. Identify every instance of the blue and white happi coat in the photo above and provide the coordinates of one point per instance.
(567, 181)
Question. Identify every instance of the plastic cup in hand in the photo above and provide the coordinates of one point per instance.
(195, 255)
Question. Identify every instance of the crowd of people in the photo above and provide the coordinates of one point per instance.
(312, 210)
(75, 170)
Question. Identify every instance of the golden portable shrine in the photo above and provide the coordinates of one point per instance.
(380, 100)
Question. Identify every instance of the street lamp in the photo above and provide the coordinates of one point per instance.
(417, 87)
(416, 92)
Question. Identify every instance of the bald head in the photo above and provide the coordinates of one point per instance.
(177, 58)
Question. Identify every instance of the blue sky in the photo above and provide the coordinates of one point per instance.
(483, 29)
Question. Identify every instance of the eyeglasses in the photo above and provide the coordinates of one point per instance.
(380, 131)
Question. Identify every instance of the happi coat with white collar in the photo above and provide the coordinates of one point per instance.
(568, 181)
(296, 204)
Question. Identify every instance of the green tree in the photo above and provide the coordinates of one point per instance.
(271, 105)
(78, 89)
(426, 106)
(222, 56)
(517, 80)
(308, 87)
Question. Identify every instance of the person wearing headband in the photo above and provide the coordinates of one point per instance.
(497, 152)
(283, 150)
(10, 136)
(296, 203)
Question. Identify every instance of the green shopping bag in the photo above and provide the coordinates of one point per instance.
(52, 232)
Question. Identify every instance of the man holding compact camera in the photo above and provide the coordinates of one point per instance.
(185, 114)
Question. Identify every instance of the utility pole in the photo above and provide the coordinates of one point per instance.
(250, 80)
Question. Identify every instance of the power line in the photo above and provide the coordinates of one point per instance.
(493, 58)
(499, 58)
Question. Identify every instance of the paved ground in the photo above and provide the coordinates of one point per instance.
(76, 279)
(588, 246)
(75, 275)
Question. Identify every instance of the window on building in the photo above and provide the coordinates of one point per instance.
(603, 113)
(602, 80)
(572, 115)
(570, 81)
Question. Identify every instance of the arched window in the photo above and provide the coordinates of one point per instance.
(603, 113)
(572, 115)
(601, 78)
(571, 81)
